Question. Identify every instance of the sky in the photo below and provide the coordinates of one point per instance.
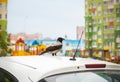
(51, 18)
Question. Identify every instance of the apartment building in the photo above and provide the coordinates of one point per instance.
(102, 27)
(3, 15)
(79, 31)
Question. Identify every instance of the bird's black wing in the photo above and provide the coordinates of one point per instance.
(52, 48)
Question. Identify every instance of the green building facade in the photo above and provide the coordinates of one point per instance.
(3, 26)
(102, 28)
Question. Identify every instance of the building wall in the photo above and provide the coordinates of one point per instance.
(79, 30)
(102, 26)
(24, 36)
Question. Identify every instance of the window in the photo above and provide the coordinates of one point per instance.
(111, 27)
(117, 1)
(118, 27)
(94, 21)
(118, 35)
(111, 19)
(6, 76)
(94, 29)
(99, 13)
(94, 44)
(118, 19)
(106, 11)
(106, 36)
(99, 46)
(111, 11)
(105, 19)
(86, 76)
(0, 5)
(99, 28)
(86, 2)
(105, 3)
(111, 36)
(118, 10)
(112, 53)
(93, 13)
(6, 16)
(99, 36)
(90, 6)
(94, 37)
(118, 53)
(118, 38)
(93, 5)
(118, 45)
(100, 53)
(90, 29)
(0, 28)
(111, 2)
(86, 30)
(106, 44)
(106, 28)
(99, 20)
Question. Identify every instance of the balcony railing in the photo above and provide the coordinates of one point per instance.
(118, 40)
(118, 45)
(110, 6)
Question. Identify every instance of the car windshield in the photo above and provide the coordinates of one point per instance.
(94, 76)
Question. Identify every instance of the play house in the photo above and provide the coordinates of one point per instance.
(20, 47)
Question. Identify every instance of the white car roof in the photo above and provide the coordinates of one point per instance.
(37, 67)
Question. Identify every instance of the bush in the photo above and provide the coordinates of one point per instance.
(10, 50)
(3, 52)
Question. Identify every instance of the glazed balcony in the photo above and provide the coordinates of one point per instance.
(118, 40)
(88, 18)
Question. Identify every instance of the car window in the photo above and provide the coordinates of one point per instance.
(99, 76)
(5, 76)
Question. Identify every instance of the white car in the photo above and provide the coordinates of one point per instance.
(57, 69)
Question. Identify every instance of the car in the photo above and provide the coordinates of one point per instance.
(57, 69)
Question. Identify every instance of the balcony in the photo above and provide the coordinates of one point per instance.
(106, 36)
(105, 0)
(99, 32)
(111, 23)
(94, 37)
(106, 48)
(88, 18)
(117, 10)
(93, 9)
(118, 45)
(106, 20)
(118, 28)
(117, 1)
(111, 6)
(99, 41)
(117, 40)
(106, 11)
(94, 46)
(118, 19)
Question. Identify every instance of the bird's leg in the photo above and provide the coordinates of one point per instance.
(55, 54)
(52, 54)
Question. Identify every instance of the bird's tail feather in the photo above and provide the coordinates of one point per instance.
(42, 52)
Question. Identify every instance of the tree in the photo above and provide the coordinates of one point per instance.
(3, 43)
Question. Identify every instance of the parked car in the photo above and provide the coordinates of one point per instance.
(57, 69)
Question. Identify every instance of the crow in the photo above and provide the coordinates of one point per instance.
(55, 48)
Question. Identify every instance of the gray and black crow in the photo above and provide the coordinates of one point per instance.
(53, 49)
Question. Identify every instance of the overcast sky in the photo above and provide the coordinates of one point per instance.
(52, 18)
